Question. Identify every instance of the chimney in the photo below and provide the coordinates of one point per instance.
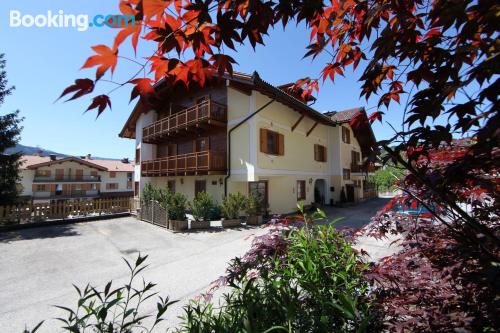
(53, 157)
(89, 157)
(82, 157)
(125, 160)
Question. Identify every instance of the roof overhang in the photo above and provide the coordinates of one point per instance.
(243, 82)
(68, 159)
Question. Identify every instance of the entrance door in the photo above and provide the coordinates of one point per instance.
(319, 191)
(350, 192)
(260, 190)
(200, 186)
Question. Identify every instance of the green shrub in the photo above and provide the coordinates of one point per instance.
(253, 206)
(177, 206)
(202, 206)
(314, 284)
(233, 204)
(215, 213)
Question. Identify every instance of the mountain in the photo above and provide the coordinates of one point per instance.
(29, 150)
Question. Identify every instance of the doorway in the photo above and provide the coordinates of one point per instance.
(349, 188)
(319, 191)
(260, 190)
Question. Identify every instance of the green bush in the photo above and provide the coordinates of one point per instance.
(177, 206)
(254, 206)
(215, 213)
(314, 286)
(202, 206)
(233, 204)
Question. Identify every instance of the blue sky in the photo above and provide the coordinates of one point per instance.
(41, 62)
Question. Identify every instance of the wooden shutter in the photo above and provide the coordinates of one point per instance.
(263, 140)
(316, 152)
(281, 144)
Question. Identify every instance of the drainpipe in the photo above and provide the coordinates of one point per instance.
(229, 141)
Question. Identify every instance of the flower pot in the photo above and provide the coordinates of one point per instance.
(254, 220)
(200, 224)
(178, 225)
(230, 223)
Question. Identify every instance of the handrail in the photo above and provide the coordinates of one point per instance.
(205, 110)
(73, 178)
(198, 161)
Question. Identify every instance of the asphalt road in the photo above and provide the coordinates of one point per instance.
(38, 266)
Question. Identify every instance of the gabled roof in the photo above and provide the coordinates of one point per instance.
(362, 131)
(33, 162)
(245, 81)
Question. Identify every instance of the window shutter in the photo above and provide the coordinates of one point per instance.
(281, 144)
(263, 140)
(324, 154)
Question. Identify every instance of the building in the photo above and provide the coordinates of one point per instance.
(242, 134)
(46, 178)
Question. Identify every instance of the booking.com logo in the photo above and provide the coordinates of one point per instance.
(59, 19)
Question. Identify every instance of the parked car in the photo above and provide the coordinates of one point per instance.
(413, 208)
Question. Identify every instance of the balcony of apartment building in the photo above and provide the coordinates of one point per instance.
(67, 179)
(206, 114)
(62, 195)
(360, 168)
(207, 162)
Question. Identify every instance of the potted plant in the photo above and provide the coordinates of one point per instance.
(177, 212)
(201, 208)
(254, 210)
(231, 207)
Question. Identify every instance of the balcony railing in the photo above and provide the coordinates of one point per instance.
(65, 195)
(194, 163)
(207, 112)
(67, 179)
(362, 168)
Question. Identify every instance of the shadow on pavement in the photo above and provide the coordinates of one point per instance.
(37, 233)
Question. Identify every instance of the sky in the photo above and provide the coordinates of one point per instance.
(41, 62)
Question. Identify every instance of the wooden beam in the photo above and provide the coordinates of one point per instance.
(297, 122)
(312, 128)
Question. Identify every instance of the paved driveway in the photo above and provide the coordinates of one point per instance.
(38, 266)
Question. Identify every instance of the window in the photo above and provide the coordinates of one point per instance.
(79, 174)
(272, 142)
(130, 175)
(136, 188)
(200, 186)
(111, 186)
(301, 190)
(129, 185)
(112, 174)
(319, 153)
(42, 173)
(346, 135)
(346, 174)
(93, 187)
(171, 186)
(137, 156)
(355, 157)
(40, 188)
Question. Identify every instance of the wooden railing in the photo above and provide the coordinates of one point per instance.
(65, 179)
(186, 163)
(203, 112)
(361, 168)
(29, 213)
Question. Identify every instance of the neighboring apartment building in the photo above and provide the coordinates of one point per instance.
(242, 134)
(46, 178)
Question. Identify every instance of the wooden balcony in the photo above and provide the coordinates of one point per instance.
(205, 115)
(361, 168)
(200, 163)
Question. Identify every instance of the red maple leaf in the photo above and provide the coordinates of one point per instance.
(100, 102)
(143, 87)
(377, 115)
(223, 63)
(105, 59)
(80, 87)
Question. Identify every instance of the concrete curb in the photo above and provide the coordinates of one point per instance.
(15, 227)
